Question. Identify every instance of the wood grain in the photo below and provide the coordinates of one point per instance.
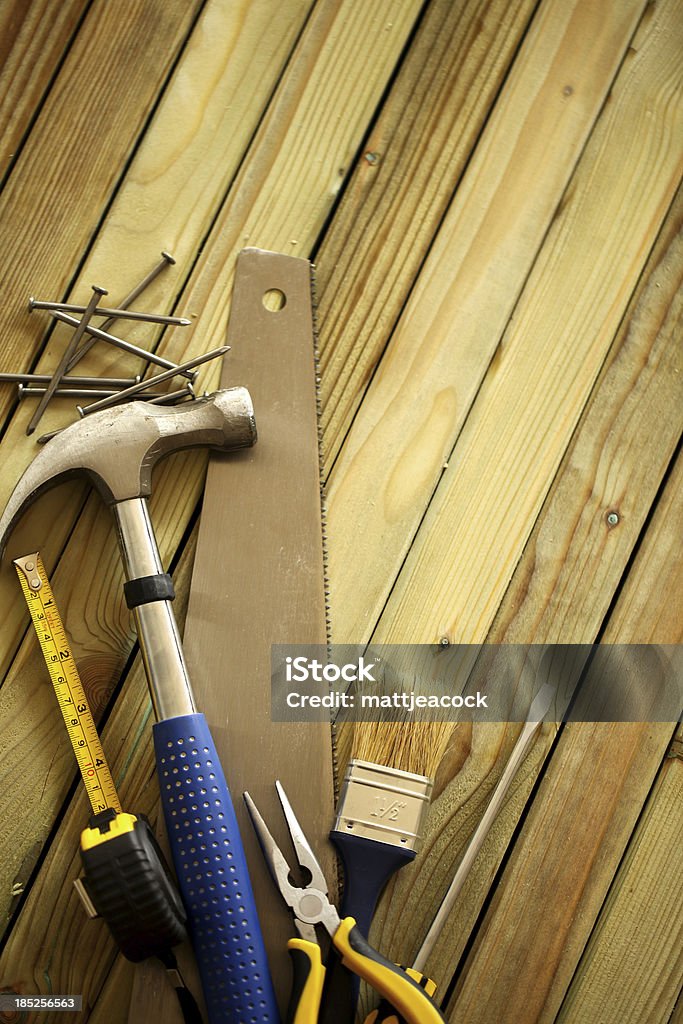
(534, 930)
(260, 137)
(36, 761)
(529, 404)
(655, 583)
(65, 175)
(400, 188)
(58, 949)
(115, 997)
(169, 197)
(640, 921)
(299, 129)
(72, 160)
(420, 396)
(418, 886)
(34, 37)
(100, 626)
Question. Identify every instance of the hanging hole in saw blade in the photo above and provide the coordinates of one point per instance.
(274, 300)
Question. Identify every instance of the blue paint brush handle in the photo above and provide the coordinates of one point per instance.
(368, 866)
(212, 873)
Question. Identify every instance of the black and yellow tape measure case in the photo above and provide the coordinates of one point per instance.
(129, 884)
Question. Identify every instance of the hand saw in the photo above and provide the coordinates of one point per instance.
(259, 569)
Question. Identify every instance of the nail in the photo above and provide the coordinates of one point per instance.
(156, 379)
(112, 314)
(151, 397)
(68, 353)
(173, 396)
(165, 261)
(71, 382)
(127, 346)
(23, 391)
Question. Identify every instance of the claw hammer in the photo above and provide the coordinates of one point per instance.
(117, 449)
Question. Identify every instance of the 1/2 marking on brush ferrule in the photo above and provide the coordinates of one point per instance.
(389, 812)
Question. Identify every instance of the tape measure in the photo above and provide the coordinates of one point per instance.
(67, 684)
(126, 882)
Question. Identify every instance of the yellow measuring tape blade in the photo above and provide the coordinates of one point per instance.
(67, 684)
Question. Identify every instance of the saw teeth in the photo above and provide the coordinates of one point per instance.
(323, 513)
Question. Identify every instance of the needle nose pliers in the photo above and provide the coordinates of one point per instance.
(311, 906)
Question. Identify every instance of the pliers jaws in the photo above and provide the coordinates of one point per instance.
(310, 903)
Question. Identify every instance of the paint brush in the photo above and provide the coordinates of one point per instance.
(388, 784)
(383, 804)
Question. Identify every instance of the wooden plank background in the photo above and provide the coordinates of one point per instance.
(491, 191)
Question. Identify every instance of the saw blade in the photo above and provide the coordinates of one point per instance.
(259, 573)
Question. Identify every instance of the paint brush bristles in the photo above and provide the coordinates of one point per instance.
(408, 746)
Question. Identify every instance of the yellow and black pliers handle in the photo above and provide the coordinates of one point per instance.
(309, 978)
(385, 1013)
(394, 984)
(403, 998)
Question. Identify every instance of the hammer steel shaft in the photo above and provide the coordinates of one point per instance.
(160, 646)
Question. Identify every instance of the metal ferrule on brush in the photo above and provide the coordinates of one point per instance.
(383, 804)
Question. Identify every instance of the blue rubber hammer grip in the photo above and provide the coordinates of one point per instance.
(212, 873)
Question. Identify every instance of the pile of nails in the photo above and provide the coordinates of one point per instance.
(107, 391)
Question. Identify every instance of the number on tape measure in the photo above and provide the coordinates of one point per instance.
(67, 684)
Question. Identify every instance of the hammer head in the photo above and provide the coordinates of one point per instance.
(118, 448)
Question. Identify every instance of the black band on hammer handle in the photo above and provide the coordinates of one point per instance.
(146, 589)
